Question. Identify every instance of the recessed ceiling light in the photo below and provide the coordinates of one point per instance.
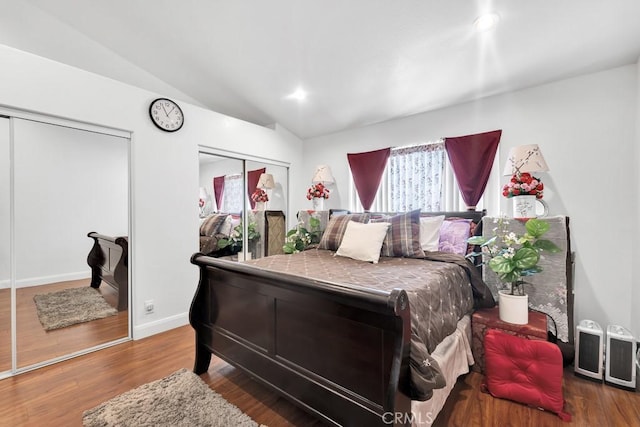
(298, 95)
(486, 22)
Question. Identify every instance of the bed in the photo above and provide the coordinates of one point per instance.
(109, 262)
(349, 341)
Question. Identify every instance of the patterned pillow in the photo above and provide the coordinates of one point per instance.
(212, 224)
(332, 236)
(403, 236)
(454, 235)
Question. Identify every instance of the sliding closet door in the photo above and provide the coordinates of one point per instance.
(5, 247)
(67, 183)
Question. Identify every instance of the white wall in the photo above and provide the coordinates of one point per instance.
(586, 128)
(164, 169)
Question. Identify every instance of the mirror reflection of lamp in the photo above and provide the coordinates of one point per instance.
(266, 183)
(203, 201)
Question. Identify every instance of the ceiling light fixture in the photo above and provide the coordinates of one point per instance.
(298, 95)
(486, 22)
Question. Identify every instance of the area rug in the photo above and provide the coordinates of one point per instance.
(182, 399)
(71, 306)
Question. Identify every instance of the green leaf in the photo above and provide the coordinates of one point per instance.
(501, 265)
(546, 245)
(288, 248)
(477, 240)
(291, 232)
(531, 271)
(536, 227)
(525, 258)
(314, 223)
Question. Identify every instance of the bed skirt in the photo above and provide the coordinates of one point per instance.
(454, 356)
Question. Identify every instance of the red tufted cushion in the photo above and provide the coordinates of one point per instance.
(525, 371)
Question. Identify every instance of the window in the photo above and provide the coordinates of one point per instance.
(233, 196)
(416, 177)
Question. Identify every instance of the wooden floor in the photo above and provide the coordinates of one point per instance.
(57, 395)
(34, 344)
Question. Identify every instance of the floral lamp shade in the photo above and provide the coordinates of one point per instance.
(525, 158)
(266, 181)
(322, 175)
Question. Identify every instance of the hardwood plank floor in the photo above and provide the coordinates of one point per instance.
(34, 344)
(57, 395)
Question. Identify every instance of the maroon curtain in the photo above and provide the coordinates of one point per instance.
(252, 183)
(471, 157)
(367, 169)
(218, 190)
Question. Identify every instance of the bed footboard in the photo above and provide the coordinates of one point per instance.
(340, 353)
(109, 262)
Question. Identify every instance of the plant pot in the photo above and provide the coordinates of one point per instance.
(513, 308)
(318, 203)
(524, 207)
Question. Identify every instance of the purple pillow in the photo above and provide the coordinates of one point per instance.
(454, 235)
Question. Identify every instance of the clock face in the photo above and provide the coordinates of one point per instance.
(166, 115)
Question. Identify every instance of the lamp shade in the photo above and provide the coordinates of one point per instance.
(266, 181)
(525, 158)
(323, 175)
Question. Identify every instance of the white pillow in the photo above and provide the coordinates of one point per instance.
(430, 232)
(363, 241)
(227, 226)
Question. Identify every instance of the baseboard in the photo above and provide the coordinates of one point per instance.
(162, 325)
(44, 280)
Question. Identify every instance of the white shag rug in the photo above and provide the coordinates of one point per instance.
(180, 400)
(71, 306)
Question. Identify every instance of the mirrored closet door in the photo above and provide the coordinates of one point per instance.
(5, 247)
(67, 182)
(243, 207)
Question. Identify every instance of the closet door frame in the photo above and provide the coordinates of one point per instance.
(11, 114)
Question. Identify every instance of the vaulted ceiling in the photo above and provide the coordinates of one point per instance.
(359, 61)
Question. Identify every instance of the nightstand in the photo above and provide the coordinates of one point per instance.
(484, 319)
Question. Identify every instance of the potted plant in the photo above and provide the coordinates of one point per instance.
(260, 197)
(524, 189)
(317, 193)
(234, 242)
(299, 238)
(513, 258)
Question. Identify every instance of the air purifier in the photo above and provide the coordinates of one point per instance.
(620, 358)
(589, 350)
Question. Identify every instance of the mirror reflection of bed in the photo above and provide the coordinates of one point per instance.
(223, 195)
(67, 182)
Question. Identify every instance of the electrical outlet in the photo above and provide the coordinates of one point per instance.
(148, 306)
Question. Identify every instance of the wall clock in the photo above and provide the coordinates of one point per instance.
(166, 115)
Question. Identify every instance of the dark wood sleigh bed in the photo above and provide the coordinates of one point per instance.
(109, 262)
(340, 352)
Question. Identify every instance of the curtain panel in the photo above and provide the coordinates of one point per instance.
(471, 158)
(416, 177)
(367, 169)
(252, 183)
(218, 190)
